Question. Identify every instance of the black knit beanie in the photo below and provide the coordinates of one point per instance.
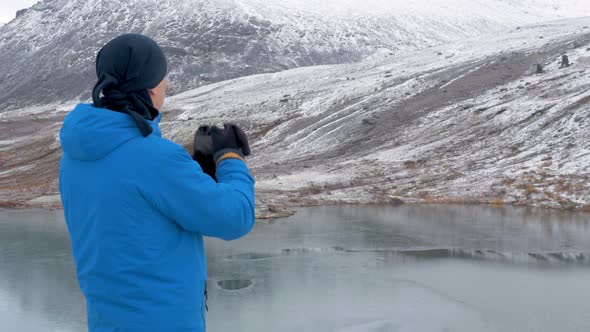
(126, 68)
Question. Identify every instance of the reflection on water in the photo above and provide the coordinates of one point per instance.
(38, 289)
(409, 268)
(234, 284)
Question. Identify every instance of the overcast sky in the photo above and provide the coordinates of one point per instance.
(8, 8)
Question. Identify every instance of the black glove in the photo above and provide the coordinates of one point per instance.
(229, 139)
(203, 151)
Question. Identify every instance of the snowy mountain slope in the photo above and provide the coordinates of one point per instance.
(47, 52)
(465, 122)
(469, 121)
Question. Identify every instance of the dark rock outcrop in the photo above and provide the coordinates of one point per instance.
(21, 12)
(565, 61)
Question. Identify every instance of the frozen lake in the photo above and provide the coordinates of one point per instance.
(408, 268)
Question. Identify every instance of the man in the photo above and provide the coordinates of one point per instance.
(137, 205)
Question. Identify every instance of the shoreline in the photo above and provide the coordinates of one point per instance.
(267, 212)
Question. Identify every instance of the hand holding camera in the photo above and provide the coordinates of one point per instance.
(213, 144)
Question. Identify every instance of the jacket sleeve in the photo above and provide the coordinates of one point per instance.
(182, 192)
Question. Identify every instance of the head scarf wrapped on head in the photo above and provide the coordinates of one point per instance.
(126, 68)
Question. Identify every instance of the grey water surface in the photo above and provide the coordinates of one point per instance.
(409, 268)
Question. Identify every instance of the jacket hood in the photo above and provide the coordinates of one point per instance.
(90, 133)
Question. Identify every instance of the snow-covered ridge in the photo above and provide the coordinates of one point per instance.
(453, 9)
(214, 40)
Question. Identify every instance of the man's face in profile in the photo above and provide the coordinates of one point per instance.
(158, 94)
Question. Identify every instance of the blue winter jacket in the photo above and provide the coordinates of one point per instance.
(137, 209)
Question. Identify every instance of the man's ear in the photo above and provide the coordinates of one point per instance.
(152, 92)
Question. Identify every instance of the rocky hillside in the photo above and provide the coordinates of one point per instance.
(47, 51)
(467, 122)
(471, 121)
